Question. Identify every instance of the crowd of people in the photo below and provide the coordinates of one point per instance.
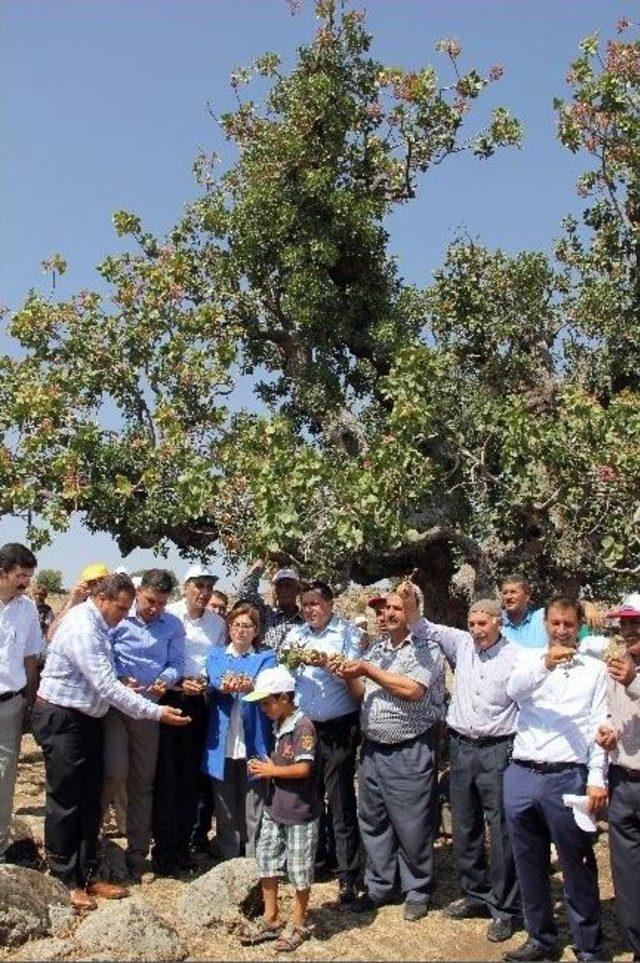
(315, 744)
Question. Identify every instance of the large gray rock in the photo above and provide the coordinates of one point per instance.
(128, 929)
(226, 893)
(31, 905)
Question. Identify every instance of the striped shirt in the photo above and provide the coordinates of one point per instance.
(389, 719)
(80, 673)
(480, 705)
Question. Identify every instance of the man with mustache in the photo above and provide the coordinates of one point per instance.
(482, 724)
(620, 735)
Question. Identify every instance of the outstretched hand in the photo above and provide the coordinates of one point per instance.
(173, 717)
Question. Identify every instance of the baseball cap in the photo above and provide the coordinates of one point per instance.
(283, 573)
(93, 572)
(199, 571)
(361, 621)
(376, 601)
(270, 682)
(630, 608)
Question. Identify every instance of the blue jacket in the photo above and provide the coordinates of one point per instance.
(258, 730)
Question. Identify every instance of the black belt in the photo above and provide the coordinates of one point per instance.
(623, 772)
(548, 766)
(481, 740)
(5, 696)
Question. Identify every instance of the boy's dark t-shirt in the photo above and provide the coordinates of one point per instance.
(294, 801)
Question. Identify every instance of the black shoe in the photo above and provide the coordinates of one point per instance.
(500, 930)
(414, 911)
(531, 951)
(167, 869)
(601, 956)
(346, 892)
(466, 909)
(365, 904)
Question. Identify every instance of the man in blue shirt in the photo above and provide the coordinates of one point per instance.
(325, 699)
(521, 622)
(148, 648)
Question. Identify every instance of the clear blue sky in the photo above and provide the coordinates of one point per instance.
(103, 105)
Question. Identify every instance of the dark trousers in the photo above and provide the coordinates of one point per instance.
(537, 817)
(476, 801)
(397, 799)
(624, 847)
(72, 747)
(175, 790)
(337, 748)
(204, 811)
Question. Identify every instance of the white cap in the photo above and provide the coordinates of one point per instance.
(270, 682)
(199, 571)
(361, 621)
(283, 573)
(136, 579)
(121, 569)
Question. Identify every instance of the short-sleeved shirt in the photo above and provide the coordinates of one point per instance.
(20, 637)
(294, 801)
(389, 719)
(322, 695)
(210, 629)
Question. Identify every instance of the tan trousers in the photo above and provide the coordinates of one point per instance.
(11, 716)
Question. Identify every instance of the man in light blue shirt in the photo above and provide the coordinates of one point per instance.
(521, 622)
(148, 648)
(325, 699)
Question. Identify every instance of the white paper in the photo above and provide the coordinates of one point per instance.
(581, 811)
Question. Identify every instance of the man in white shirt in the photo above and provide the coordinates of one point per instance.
(20, 646)
(180, 753)
(562, 699)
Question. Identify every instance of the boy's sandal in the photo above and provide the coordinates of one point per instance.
(291, 938)
(259, 931)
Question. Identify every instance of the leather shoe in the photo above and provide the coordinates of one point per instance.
(414, 911)
(365, 904)
(346, 892)
(500, 930)
(107, 890)
(531, 951)
(81, 901)
(466, 909)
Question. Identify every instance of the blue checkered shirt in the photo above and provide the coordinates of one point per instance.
(79, 671)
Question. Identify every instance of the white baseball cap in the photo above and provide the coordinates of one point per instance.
(199, 571)
(283, 573)
(271, 682)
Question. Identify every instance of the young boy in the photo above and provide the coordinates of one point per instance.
(289, 833)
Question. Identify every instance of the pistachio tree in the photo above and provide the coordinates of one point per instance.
(461, 429)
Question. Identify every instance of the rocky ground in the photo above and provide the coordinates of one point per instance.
(153, 923)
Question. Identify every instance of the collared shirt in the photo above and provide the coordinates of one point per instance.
(560, 711)
(235, 745)
(79, 671)
(480, 705)
(294, 801)
(389, 719)
(322, 695)
(210, 629)
(149, 651)
(529, 631)
(20, 637)
(624, 717)
(276, 626)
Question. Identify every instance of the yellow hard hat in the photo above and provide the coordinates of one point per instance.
(91, 573)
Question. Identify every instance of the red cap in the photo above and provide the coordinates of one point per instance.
(377, 601)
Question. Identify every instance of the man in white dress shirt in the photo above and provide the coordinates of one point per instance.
(20, 646)
(562, 698)
(180, 753)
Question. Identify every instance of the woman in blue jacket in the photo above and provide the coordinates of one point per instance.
(237, 731)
